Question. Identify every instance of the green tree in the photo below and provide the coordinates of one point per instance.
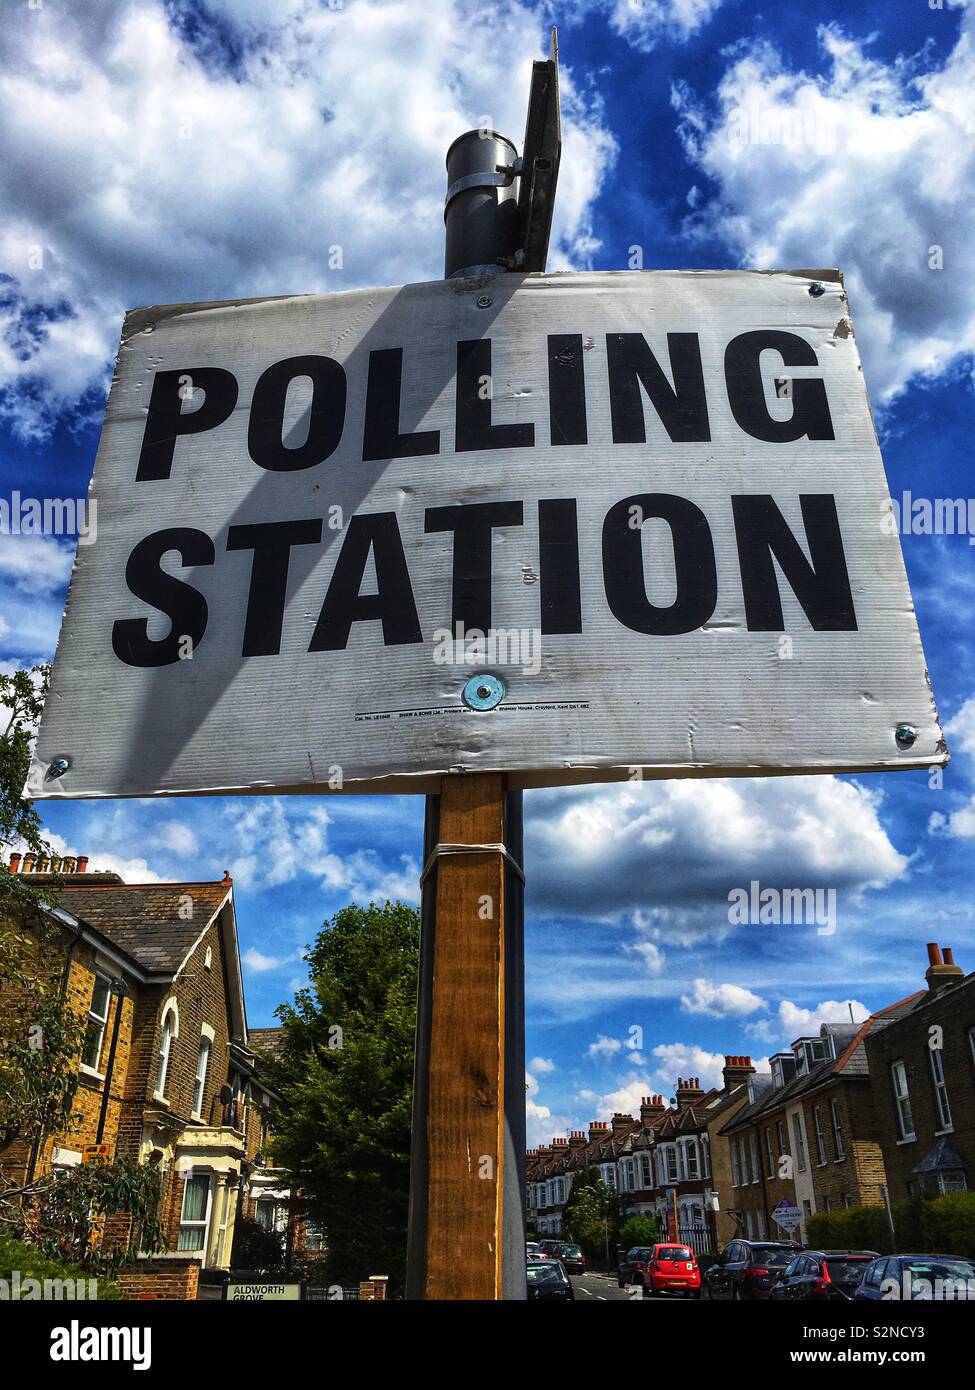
(346, 1070)
(592, 1216)
(639, 1230)
(22, 695)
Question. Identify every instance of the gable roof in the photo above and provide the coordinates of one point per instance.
(147, 920)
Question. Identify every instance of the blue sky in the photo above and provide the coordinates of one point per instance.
(158, 152)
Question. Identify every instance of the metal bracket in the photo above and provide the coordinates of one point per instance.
(502, 178)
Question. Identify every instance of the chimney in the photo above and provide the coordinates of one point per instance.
(226, 877)
(688, 1092)
(941, 972)
(736, 1071)
(14, 863)
(55, 864)
(650, 1108)
(82, 863)
(577, 1137)
(42, 866)
(68, 863)
(559, 1143)
(598, 1129)
(622, 1123)
(29, 861)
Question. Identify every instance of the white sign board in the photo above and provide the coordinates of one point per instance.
(787, 1215)
(656, 497)
(263, 1293)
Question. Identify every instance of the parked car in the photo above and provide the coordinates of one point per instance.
(747, 1268)
(548, 1282)
(571, 1257)
(533, 1251)
(672, 1269)
(550, 1245)
(632, 1264)
(916, 1278)
(822, 1274)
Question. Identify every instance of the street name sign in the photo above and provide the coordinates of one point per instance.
(577, 528)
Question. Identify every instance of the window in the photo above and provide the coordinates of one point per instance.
(670, 1155)
(902, 1100)
(735, 1170)
(202, 1062)
(646, 1171)
(800, 1143)
(706, 1155)
(170, 1030)
(101, 993)
(769, 1156)
(690, 1159)
(756, 1166)
(761, 1225)
(559, 1185)
(820, 1136)
(195, 1214)
(314, 1239)
(783, 1147)
(837, 1120)
(271, 1214)
(940, 1088)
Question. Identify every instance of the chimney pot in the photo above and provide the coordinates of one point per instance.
(949, 956)
(29, 861)
(82, 863)
(14, 862)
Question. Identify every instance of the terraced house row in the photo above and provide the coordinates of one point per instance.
(170, 1074)
(888, 1103)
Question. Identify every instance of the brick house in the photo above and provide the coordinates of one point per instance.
(810, 1134)
(660, 1164)
(168, 1073)
(922, 1069)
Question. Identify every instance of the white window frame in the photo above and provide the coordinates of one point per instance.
(646, 1170)
(100, 979)
(671, 1164)
(205, 1223)
(753, 1152)
(903, 1109)
(769, 1155)
(836, 1121)
(940, 1091)
(170, 1010)
(735, 1167)
(820, 1136)
(203, 1054)
(800, 1142)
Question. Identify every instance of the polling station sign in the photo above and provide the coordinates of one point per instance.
(577, 527)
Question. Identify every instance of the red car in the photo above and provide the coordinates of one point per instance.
(672, 1269)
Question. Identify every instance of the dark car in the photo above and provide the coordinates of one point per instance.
(548, 1282)
(571, 1257)
(747, 1268)
(549, 1246)
(633, 1264)
(917, 1278)
(821, 1275)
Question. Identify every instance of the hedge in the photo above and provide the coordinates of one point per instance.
(28, 1263)
(939, 1225)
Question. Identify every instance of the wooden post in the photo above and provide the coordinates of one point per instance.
(466, 1219)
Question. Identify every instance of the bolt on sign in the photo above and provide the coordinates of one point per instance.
(575, 527)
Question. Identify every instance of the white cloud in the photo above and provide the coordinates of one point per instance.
(293, 842)
(104, 860)
(669, 852)
(960, 824)
(721, 1001)
(797, 1022)
(604, 1047)
(543, 1065)
(646, 23)
(961, 729)
(35, 564)
(687, 1059)
(138, 169)
(177, 836)
(259, 963)
(868, 167)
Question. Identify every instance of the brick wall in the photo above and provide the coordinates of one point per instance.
(856, 1179)
(162, 1279)
(952, 1009)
